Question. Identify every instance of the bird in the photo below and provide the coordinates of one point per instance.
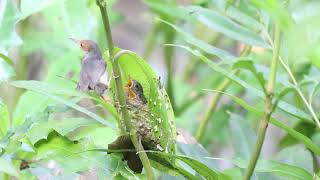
(93, 73)
(135, 94)
(138, 109)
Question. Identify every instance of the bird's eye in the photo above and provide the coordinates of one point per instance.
(81, 44)
(137, 86)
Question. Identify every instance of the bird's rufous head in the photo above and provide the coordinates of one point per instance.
(86, 45)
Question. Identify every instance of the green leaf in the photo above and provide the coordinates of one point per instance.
(10, 17)
(277, 11)
(241, 17)
(164, 164)
(305, 128)
(213, 20)
(6, 70)
(243, 137)
(4, 119)
(297, 156)
(198, 166)
(66, 154)
(29, 7)
(6, 59)
(48, 91)
(295, 134)
(168, 9)
(201, 44)
(160, 113)
(290, 109)
(63, 127)
(281, 169)
(7, 167)
(23, 109)
(55, 146)
(228, 27)
(245, 64)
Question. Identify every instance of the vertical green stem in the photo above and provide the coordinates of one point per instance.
(120, 93)
(268, 106)
(214, 102)
(168, 57)
(316, 168)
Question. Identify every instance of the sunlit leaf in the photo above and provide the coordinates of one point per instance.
(7, 167)
(63, 127)
(198, 166)
(289, 108)
(296, 156)
(159, 107)
(10, 17)
(201, 44)
(305, 128)
(214, 21)
(243, 18)
(281, 169)
(228, 27)
(250, 66)
(305, 140)
(29, 7)
(44, 89)
(4, 119)
(6, 70)
(243, 137)
(6, 59)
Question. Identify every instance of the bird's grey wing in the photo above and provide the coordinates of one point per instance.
(84, 81)
(98, 69)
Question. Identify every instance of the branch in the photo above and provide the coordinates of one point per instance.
(304, 99)
(125, 119)
(268, 106)
(216, 98)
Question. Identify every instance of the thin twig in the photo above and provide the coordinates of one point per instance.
(268, 106)
(304, 99)
(295, 83)
(120, 94)
(216, 98)
(169, 62)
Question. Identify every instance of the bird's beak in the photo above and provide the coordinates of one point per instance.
(130, 83)
(75, 40)
(131, 94)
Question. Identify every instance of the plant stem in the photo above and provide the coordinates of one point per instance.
(120, 93)
(214, 102)
(268, 106)
(309, 105)
(316, 168)
(168, 57)
(216, 98)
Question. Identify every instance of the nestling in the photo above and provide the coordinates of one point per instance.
(138, 109)
(93, 74)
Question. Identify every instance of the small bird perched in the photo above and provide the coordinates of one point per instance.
(93, 74)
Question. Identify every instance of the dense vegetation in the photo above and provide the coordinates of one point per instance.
(238, 98)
